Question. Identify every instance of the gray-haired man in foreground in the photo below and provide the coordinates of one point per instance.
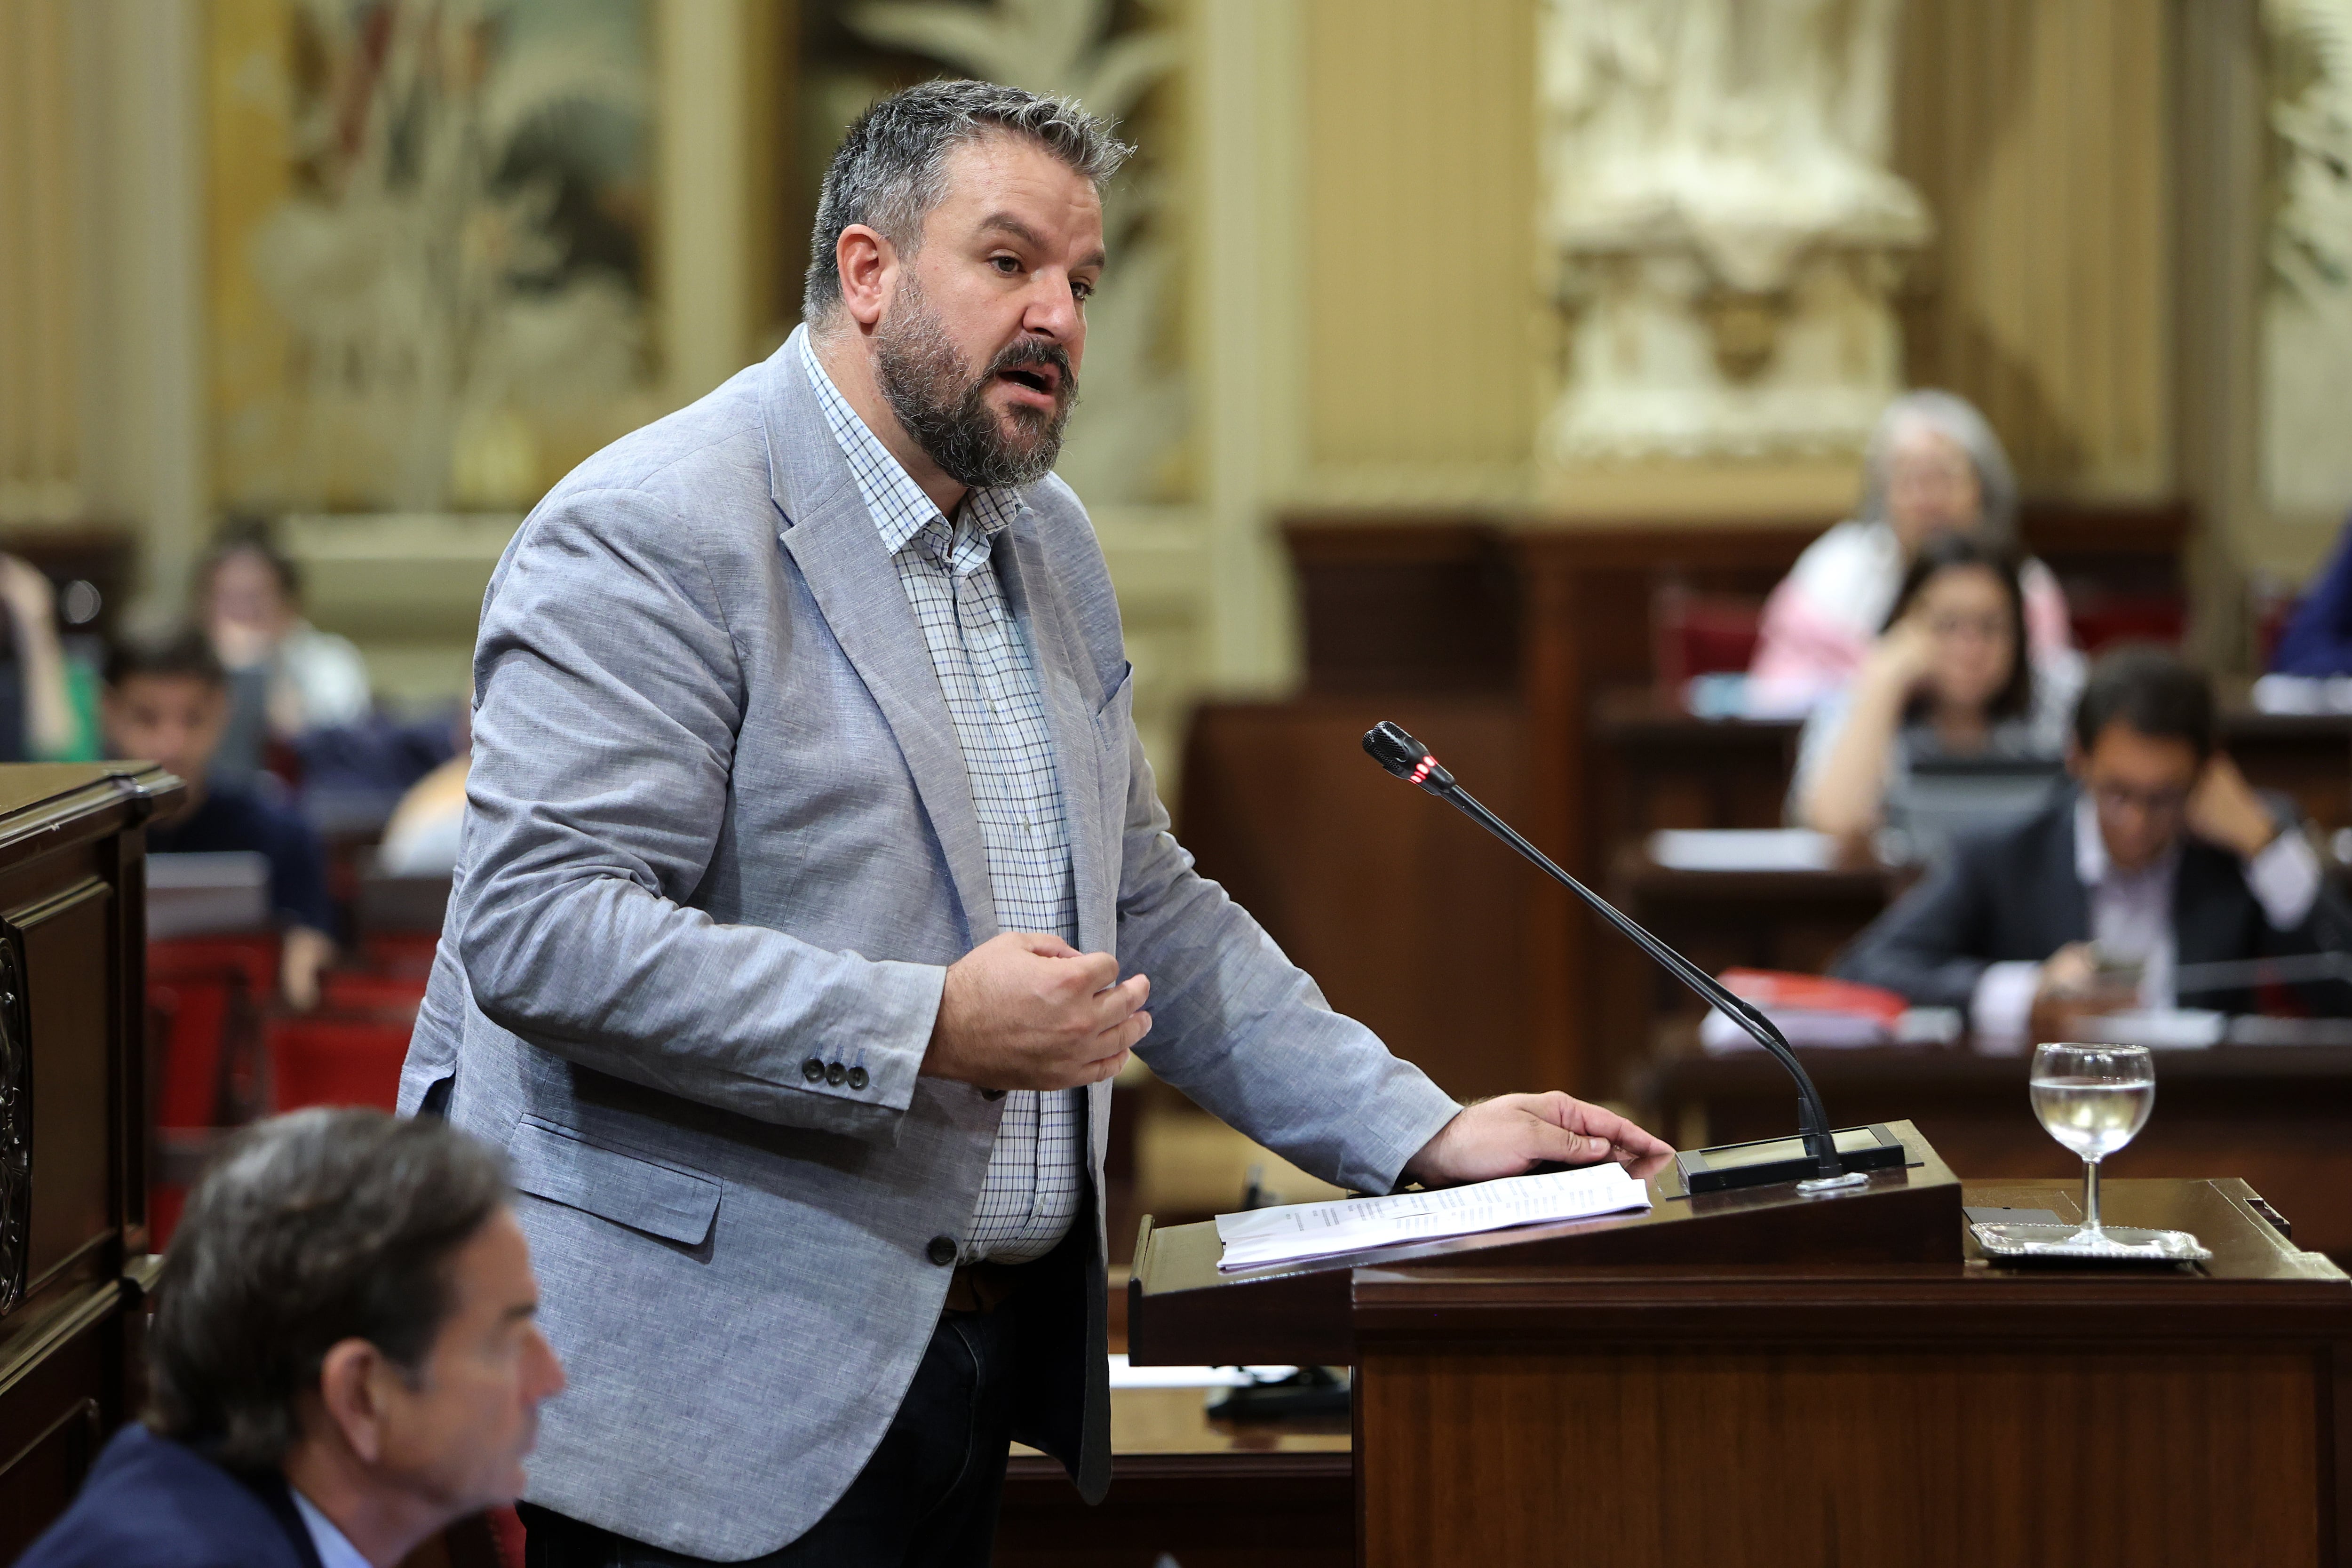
(812, 890)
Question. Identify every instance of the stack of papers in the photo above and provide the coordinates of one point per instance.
(1295, 1232)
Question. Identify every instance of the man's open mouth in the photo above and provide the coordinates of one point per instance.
(1042, 379)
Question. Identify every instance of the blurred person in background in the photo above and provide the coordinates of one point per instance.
(1933, 467)
(2161, 856)
(48, 701)
(1947, 678)
(345, 1360)
(2317, 640)
(168, 702)
(286, 676)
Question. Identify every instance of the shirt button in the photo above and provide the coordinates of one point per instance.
(992, 1094)
(941, 1251)
(812, 1069)
(858, 1078)
(834, 1074)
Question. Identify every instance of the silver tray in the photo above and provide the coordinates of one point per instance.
(2121, 1244)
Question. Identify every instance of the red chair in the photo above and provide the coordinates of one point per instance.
(366, 991)
(205, 996)
(1701, 634)
(323, 1058)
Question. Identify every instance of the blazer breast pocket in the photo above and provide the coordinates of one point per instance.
(662, 1200)
(1113, 721)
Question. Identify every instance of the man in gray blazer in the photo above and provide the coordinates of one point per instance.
(808, 843)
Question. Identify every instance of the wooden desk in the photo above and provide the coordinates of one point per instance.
(2281, 1117)
(1758, 920)
(1659, 766)
(1765, 1379)
(1953, 1413)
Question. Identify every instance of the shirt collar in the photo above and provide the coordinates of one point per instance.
(334, 1548)
(2092, 867)
(899, 508)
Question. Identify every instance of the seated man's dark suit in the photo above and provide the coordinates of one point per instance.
(151, 1503)
(2014, 894)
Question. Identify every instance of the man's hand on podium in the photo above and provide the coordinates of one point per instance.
(1509, 1135)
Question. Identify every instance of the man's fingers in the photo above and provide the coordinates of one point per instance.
(1578, 1116)
(1107, 1068)
(1113, 1006)
(1568, 1148)
(1044, 944)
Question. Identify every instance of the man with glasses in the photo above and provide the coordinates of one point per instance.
(2160, 860)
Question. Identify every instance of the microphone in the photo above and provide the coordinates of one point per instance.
(1409, 760)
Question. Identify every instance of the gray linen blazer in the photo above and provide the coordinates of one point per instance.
(719, 828)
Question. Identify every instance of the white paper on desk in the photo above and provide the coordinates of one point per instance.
(1297, 1231)
(1743, 849)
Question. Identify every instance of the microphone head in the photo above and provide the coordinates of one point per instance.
(1394, 750)
(1407, 758)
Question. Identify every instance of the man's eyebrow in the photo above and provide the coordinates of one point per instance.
(1008, 224)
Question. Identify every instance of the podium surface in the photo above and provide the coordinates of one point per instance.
(1529, 1398)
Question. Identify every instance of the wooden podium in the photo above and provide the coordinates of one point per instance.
(73, 1124)
(1755, 1378)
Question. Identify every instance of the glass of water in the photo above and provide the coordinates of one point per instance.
(2094, 1099)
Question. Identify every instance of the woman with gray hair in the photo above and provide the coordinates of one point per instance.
(1933, 467)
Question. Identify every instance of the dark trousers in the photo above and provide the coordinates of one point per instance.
(926, 1499)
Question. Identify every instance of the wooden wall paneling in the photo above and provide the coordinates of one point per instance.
(1240, 1509)
(1407, 915)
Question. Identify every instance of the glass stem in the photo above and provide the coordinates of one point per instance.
(2091, 1198)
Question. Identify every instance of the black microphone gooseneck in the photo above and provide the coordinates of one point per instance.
(1411, 761)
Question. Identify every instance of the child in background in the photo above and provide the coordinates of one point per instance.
(168, 702)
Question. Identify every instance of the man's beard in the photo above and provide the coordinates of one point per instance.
(944, 406)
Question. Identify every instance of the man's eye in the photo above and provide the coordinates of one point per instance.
(1082, 289)
(1005, 264)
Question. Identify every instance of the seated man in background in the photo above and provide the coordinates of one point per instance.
(345, 1361)
(2160, 858)
(168, 702)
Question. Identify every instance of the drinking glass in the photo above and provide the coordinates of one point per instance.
(2094, 1099)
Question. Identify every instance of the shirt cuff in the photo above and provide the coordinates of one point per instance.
(2002, 1006)
(2284, 876)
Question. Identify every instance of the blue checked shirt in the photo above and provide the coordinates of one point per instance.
(1030, 1194)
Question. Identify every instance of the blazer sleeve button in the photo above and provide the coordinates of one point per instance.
(941, 1251)
(812, 1069)
(834, 1074)
(858, 1078)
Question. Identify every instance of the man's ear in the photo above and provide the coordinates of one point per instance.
(349, 1399)
(867, 266)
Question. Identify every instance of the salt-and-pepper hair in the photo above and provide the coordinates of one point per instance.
(890, 170)
(1956, 419)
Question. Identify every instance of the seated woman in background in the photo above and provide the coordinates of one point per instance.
(286, 676)
(1933, 467)
(1947, 680)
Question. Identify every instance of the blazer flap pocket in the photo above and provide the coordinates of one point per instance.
(560, 1165)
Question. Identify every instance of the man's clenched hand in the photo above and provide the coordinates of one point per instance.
(1508, 1135)
(1027, 1011)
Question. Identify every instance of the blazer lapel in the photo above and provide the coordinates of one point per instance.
(832, 537)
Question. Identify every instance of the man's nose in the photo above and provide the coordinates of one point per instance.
(1053, 311)
(551, 1381)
